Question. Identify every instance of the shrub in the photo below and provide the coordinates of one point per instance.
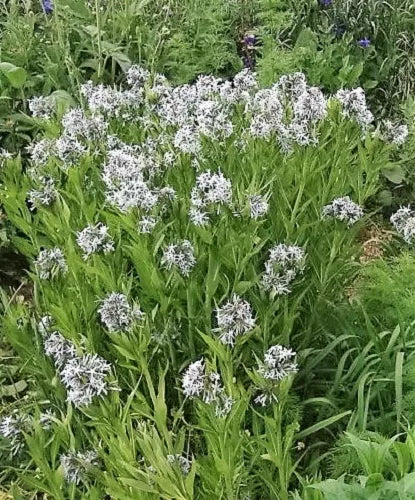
(196, 235)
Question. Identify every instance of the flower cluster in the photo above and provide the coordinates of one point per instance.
(76, 124)
(40, 152)
(282, 267)
(5, 155)
(234, 318)
(46, 419)
(94, 239)
(84, 377)
(343, 209)
(146, 224)
(123, 175)
(187, 140)
(267, 112)
(269, 109)
(183, 463)
(111, 102)
(394, 133)
(45, 195)
(310, 106)
(69, 150)
(258, 206)
(213, 119)
(50, 263)
(197, 382)
(279, 362)
(194, 379)
(45, 325)
(244, 85)
(354, 106)
(77, 465)
(12, 428)
(180, 256)
(41, 107)
(289, 111)
(60, 349)
(212, 190)
(117, 314)
(137, 76)
(15, 425)
(248, 47)
(404, 222)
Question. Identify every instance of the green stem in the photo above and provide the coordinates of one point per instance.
(98, 22)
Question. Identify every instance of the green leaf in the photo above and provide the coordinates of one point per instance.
(136, 484)
(16, 75)
(375, 480)
(89, 63)
(77, 7)
(321, 425)
(307, 39)
(122, 59)
(398, 387)
(63, 100)
(24, 246)
(333, 489)
(13, 389)
(394, 174)
(385, 198)
(243, 286)
(405, 487)
(370, 84)
(355, 73)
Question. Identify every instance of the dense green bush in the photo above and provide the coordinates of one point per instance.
(174, 198)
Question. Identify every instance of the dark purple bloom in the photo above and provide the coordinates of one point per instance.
(364, 43)
(249, 40)
(248, 62)
(326, 3)
(47, 6)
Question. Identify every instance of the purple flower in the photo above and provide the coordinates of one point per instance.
(47, 6)
(326, 3)
(248, 62)
(249, 40)
(364, 43)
